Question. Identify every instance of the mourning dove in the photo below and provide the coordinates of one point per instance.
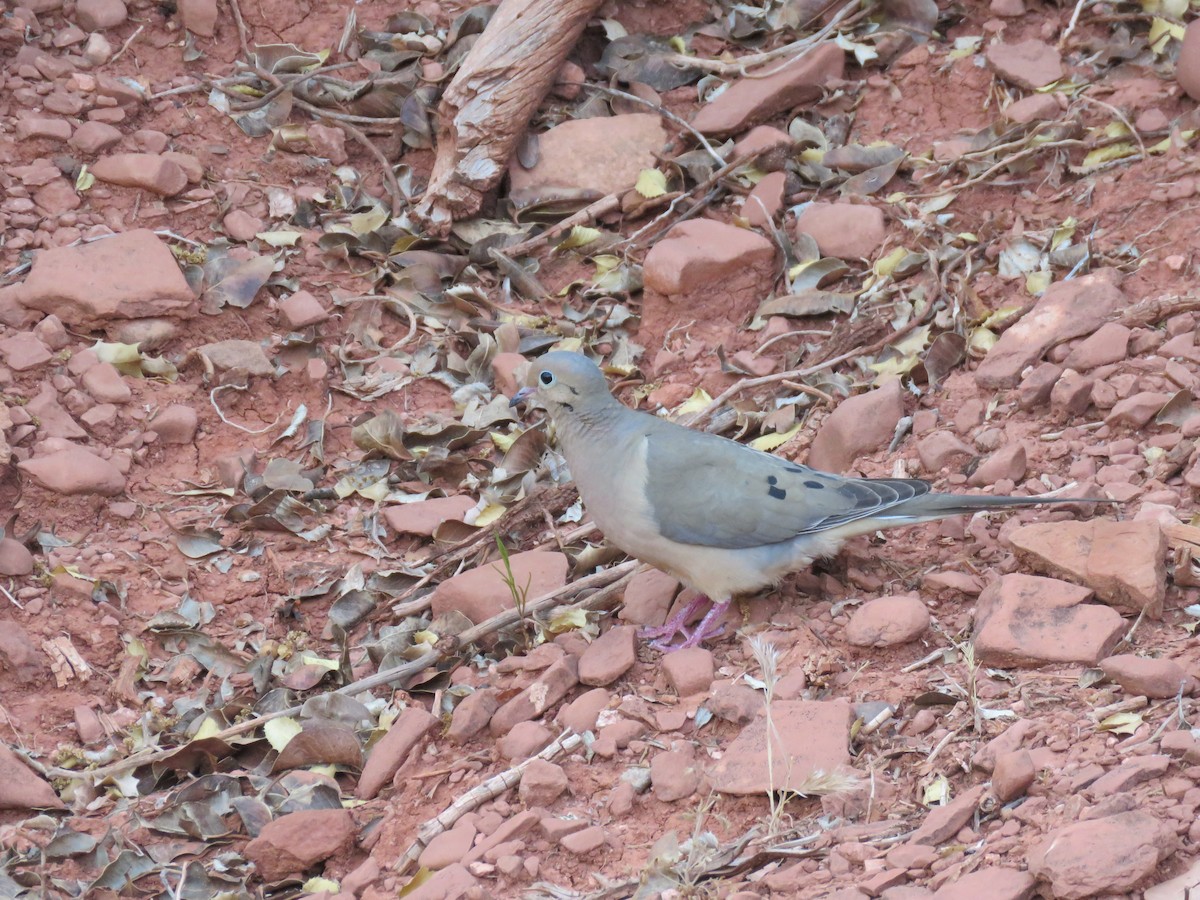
(723, 518)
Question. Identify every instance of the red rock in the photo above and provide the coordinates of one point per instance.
(1187, 69)
(1102, 856)
(1071, 394)
(1153, 678)
(1129, 775)
(192, 167)
(807, 737)
(609, 656)
(53, 420)
(15, 560)
(482, 593)
(845, 230)
(1138, 410)
(765, 200)
(390, 751)
(542, 783)
(1013, 775)
(735, 703)
(581, 714)
(689, 671)
(584, 842)
(21, 788)
(1009, 463)
(424, 516)
(91, 284)
(175, 424)
(1123, 562)
(553, 684)
(857, 426)
(199, 16)
(147, 171)
(472, 715)
(648, 598)
(943, 822)
(590, 157)
(74, 471)
(1109, 344)
(761, 137)
(94, 137)
(1068, 309)
(451, 883)
(508, 831)
(106, 384)
(1026, 620)
(888, 621)
(989, 883)
(292, 844)
(1037, 386)
(759, 96)
(239, 225)
(96, 15)
(448, 847)
(36, 128)
(675, 774)
(24, 351)
(524, 739)
(1029, 64)
(942, 450)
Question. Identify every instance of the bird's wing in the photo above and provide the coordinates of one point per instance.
(708, 490)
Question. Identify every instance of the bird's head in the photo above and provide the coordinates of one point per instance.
(564, 381)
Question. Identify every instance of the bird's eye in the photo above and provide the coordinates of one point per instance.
(546, 378)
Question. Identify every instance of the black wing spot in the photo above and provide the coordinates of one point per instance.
(772, 491)
(799, 470)
(815, 485)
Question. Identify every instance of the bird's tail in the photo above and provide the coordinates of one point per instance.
(929, 507)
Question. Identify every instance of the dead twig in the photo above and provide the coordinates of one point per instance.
(480, 794)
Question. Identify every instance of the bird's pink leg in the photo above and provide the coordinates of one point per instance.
(707, 628)
(675, 625)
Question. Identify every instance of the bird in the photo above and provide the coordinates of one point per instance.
(722, 518)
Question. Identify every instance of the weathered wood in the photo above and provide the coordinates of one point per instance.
(487, 107)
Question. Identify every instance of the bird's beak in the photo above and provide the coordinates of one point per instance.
(523, 394)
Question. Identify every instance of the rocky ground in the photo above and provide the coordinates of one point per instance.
(256, 449)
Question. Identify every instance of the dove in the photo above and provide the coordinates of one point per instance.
(722, 518)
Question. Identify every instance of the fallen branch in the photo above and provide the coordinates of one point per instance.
(487, 107)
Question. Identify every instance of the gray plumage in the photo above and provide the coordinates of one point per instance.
(723, 518)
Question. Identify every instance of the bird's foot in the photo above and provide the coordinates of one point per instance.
(676, 624)
(709, 626)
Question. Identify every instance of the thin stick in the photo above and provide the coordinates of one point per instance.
(481, 793)
(736, 389)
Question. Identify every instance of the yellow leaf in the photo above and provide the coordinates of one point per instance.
(503, 442)
(316, 884)
(887, 265)
(565, 619)
(1102, 155)
(311, 659)
(580, 236)
(693, 404)
(207, 729)
(937, 792)
(490, 514)
(812, 155)
(84, 180)
(1063, 232)
(1122, 723)
(279, 238)
(679, 45)
(1037, 282)
(1161, 31)
(981, 341)
(651, 183)
(769, 442)
(279, 732)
